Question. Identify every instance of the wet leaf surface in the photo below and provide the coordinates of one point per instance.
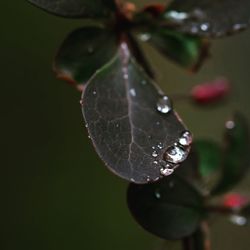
(84, 52)
(170, 208)
(186, 50)
(236, 156)
(209, 18)
(130, 135)
(76, 8)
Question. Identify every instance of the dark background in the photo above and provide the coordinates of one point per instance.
(56, 193)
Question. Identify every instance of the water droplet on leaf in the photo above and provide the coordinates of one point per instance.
(164, 105)
(154, 154)
(166, 171)
(185, 139)
(176, 154)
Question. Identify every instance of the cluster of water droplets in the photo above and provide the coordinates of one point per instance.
(176, 154)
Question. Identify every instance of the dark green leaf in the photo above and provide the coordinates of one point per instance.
(84, 52)
(186, 50)
(209, 17)
(203, 166)
(120, 110)
(236, 155)
(209, 157)
(170, 208)
(76, 8)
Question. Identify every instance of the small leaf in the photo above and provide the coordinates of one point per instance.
(209, 157)
(188, 51)
(84, 52)
(210, 92)
(203, 166)
(170, 208)
(208, 17)
(131, 136)
(76, 8)
(236, 155)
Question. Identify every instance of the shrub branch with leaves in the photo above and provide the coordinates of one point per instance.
(132, 123)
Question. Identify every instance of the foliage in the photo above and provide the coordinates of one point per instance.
(132, 123)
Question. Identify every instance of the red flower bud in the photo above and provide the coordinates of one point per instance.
(211, 91)
(235, 201)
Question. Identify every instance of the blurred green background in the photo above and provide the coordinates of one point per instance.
(56, 192)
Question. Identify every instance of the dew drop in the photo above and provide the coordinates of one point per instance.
(166, 171)
(238, 220)
(164, 105)
(81, 102)
(155, 162)
(160, 146)
(154, 154)
(185, 139)
(94, 92)
(143, 82)
(132, 179)
(175, 154)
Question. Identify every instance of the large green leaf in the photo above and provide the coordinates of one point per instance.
(170, 208)
(236, 155)
(84, 52)
(208, 17)
(186, 50)
(76, 8)
(132, 125)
